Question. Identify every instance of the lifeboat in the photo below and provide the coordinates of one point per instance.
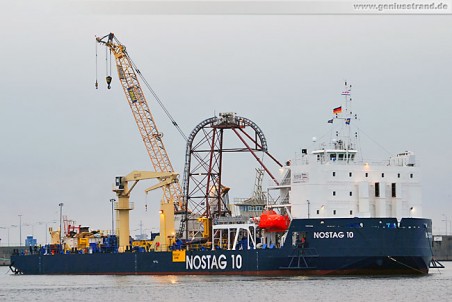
(274, 222)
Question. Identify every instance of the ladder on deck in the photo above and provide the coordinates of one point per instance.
(298, 258)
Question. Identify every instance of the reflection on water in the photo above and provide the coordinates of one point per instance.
(435, 286)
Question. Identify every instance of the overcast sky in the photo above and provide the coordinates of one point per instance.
(64, 141)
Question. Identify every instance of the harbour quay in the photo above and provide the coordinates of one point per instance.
(442, 247)
(6, 252)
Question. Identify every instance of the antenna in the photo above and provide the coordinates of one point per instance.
(341, 133)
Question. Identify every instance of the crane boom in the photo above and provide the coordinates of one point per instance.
(145, 121)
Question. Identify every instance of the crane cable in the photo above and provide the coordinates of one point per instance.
(106, 61)
(158, 99)
(173, 121)
(110, 62)
(97, 83)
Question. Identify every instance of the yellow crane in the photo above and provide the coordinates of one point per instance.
(152, 138)
(123, 206)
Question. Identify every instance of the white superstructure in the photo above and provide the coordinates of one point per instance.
(332, 182)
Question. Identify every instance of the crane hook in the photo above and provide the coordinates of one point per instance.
(108, 82)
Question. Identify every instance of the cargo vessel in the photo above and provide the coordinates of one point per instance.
(333, 246)
(333, 214)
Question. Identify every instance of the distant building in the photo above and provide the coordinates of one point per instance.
(247, 208)
(30, 241)
(253, 206)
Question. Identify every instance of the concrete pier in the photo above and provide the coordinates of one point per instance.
(442, 247)
(5, 253)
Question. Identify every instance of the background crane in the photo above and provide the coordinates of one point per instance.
(152, 138)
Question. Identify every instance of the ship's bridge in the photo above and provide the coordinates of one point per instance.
(339, 152)
(335, 155)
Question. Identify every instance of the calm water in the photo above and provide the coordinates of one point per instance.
(437, 286)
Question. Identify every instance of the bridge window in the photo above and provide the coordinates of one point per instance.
(367, 174)
(334, 174)
(334, 193)
(411, 175)
(255, 208)
(350, 174)
(351, 193)
(334, 212)
(377, 189)
(398, 175)
(382, 175)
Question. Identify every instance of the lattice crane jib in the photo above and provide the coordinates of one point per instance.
(144, 119)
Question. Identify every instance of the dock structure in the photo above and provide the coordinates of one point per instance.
(442, 247)
(5, 253)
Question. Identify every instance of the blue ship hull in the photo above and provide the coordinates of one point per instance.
(340, 246)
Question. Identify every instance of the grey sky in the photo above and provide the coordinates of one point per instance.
(64, 141)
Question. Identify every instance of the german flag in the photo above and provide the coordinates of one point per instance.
(337, 110)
